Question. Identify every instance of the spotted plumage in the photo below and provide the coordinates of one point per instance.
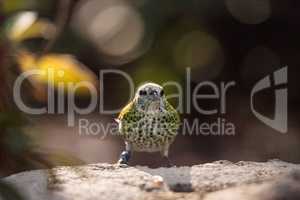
(148, 123)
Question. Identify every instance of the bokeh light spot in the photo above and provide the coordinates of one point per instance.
(200, 51)
(116, 28)
(250, 11)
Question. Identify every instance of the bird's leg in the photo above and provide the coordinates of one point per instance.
(125, 155)
(165, 154)
(169, 163)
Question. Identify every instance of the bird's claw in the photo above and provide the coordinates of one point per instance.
(122, 165)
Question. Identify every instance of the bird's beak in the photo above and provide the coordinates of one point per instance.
(155, 95)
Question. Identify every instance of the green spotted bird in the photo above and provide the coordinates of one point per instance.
(148, 123)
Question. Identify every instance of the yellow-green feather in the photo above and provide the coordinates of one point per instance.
(133, 131)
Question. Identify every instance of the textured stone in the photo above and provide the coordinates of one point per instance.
(210, 181)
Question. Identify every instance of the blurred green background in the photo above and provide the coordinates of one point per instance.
(151, 40)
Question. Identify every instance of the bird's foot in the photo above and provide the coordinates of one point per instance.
(122, 165)
(124, 159)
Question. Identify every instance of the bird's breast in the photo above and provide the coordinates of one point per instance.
(148, 133)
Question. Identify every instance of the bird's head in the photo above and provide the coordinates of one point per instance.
(149, 97)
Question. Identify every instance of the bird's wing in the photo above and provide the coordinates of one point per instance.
(125, 110)
(172, 112)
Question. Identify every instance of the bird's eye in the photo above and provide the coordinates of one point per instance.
(142, 92)
(162, 93)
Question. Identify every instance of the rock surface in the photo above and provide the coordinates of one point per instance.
(211, 181)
